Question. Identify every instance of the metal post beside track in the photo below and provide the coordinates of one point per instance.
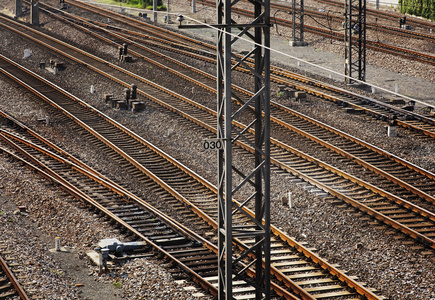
(355, 40)
(34, 12)
(155, 11)
(18, 8)
(298, 24)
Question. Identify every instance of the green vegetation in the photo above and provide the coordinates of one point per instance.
(117, 283)
(148, 4)
(57, 272)
(423, 8)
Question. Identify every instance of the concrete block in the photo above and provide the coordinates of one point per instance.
(126, 58)
(300, 95)
(298, 43)
(397, 100)
(137, 106)
(107, 97)
(122, 105)
(392, 131)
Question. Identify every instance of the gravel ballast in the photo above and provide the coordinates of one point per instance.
(372, 252)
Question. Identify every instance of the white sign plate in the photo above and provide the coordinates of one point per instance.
(212, 144)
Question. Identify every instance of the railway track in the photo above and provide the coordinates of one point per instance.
(337, 17)
(403, 175)
(191, 253)
(424, 215)
(413, 21)
(151, 30)
(406, 229)
(319, 279)
(379, 109)
(10, 287)
(372, 45)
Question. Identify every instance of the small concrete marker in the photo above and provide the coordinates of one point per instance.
(27, 53)
(57, 244)
(392, 131)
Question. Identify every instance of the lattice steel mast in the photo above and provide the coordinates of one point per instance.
(18, 8)
(355, 39)
(298, 23)
(257, 178)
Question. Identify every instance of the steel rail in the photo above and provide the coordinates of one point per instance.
(49, 174)
(376, 46)
(337, 18)
(401, 183)
(372, 26)
(355, 157)
(349, 97)
(351, 282)
(331, 267)
(414, 235)
(78, 166)
(12, 140)
(48, 143)
(409, 232)
(406, 53)
(13, 280)
(132, 22)
(149, 173)
(388, 15)
(336, 149)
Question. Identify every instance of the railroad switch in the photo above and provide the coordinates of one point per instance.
(133, 91)
(402, 21)
(129, 103)
(123, 53)
(292, 93)
(410, 106)
(107, 97)
(52, 67)
(118, 247)
(126, 58)
(63, 5)
(300, 95)
(113, 249)
(397, 101)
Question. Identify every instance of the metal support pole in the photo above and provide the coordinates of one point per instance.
(194, 6)
(18, 8)
(34, 12)
(168, 18)
(298, 23)
(355, 40)
(155, 10)
(255, 181)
